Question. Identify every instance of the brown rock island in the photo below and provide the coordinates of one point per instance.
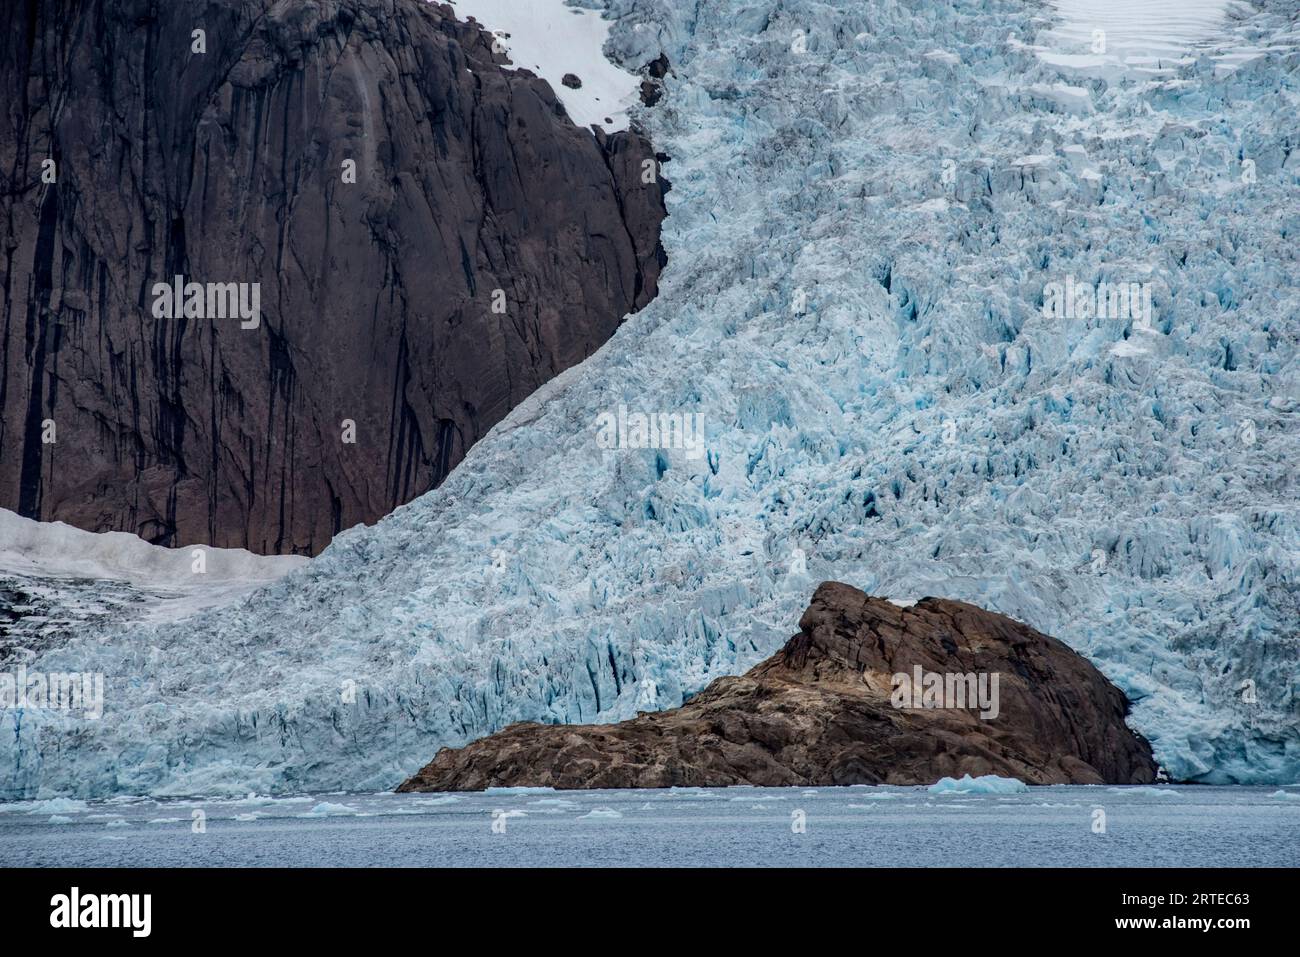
(867, 692)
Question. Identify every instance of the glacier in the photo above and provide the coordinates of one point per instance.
(868, 201)
(57, 580)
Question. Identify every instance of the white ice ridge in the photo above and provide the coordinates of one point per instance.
(551, 39)
(56, 550)
(1144, 27)
(1155, 37)
(56, 580)
(857, 263)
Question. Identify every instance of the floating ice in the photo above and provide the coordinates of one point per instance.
(328, 809)
(984, 784)
(58, 806)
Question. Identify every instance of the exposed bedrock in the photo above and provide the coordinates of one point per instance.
(826, 710)
(472, 190)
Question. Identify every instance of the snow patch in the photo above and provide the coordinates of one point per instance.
(552, 39)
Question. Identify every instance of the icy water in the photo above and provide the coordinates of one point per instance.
(856, 826)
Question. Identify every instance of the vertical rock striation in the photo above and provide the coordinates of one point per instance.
(472, 188)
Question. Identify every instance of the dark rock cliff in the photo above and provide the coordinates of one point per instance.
(377, 323)
(822, 711)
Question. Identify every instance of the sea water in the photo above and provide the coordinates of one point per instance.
(842, 826)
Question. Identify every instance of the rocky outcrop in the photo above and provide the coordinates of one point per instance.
(827, 710)
(652, 89)
(431, 238)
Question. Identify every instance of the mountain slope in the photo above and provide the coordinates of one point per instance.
(430, 235)
(861, 235)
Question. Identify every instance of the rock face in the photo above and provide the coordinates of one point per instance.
(431, 236)
(822, 712)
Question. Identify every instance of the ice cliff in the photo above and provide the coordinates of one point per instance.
(868, 201)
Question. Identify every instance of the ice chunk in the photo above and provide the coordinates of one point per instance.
(1067, 98)
(59, 806)
(984, 784)
(328, 809)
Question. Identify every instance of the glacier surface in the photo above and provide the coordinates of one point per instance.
(869, 200)
(57, 581)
